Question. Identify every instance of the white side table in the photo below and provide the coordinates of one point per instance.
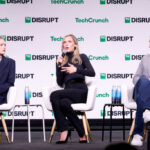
(28, 117)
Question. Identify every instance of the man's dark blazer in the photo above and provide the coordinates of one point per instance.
(7, 77)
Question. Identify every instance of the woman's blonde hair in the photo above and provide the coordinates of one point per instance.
(76, 57)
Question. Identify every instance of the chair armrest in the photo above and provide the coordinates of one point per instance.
(127, 96)
(11, 99)
(47, 90)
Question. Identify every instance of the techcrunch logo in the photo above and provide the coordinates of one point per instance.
(137, 20)
(114, 113)
(58, 39)
(102, 95)
(91, 57)
(18, 38)
(67, 1)
(16, 1)
(91, 20)
(29, 57)
(41, 19)
(104, 38)
(4, 19)
(129, 57)
(116, 75)
(103, 2)
(24, 75)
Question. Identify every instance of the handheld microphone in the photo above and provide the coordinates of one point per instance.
(63, 55)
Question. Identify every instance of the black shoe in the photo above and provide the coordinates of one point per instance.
(83, 141)
(66, 140)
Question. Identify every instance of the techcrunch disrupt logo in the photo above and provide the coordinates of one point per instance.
(116, 75)
(41, 19)
(67, 1)
(24, 75)
(18, 38)
(20, 113)
(102, 95)
(58, 39)
(52, 74)
(91, 57)
(137, 20)
(129, 57)
(104, 38)
(4, 20)
(15, 1)
(37, 94)
(29, 57)
(91, 20)
(114, 113)
(103, 2)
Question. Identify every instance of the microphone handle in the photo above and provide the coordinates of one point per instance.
(59, 65)
(63, 55)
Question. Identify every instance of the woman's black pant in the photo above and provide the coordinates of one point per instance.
(61, 102)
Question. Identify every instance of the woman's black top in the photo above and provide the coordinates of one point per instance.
(84, 69)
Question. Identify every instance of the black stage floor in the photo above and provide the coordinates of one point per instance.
(37, 143)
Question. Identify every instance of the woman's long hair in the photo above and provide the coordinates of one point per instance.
(76, 57)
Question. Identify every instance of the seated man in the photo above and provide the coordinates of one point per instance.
(141, 95)
(7, 72)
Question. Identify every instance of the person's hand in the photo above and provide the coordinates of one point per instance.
(60, 60)
(71, 69)
(149, 78)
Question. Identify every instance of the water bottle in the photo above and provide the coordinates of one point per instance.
(118, 95)
(27, 95)
(113, 96)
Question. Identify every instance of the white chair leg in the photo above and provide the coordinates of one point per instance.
(85, 127)
(52, 131)
(13, 123)
(5, 127)
(29, 130)
(44, 135)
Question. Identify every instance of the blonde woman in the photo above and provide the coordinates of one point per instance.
(7, 72)
(71, 74)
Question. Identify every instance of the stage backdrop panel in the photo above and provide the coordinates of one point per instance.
(114, 34)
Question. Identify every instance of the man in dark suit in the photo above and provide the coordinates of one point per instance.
(7, 72)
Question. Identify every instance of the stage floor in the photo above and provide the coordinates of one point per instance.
(37, 143)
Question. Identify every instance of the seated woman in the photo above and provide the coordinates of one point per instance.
(141, 95)
(7, 72)
(71, 74)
